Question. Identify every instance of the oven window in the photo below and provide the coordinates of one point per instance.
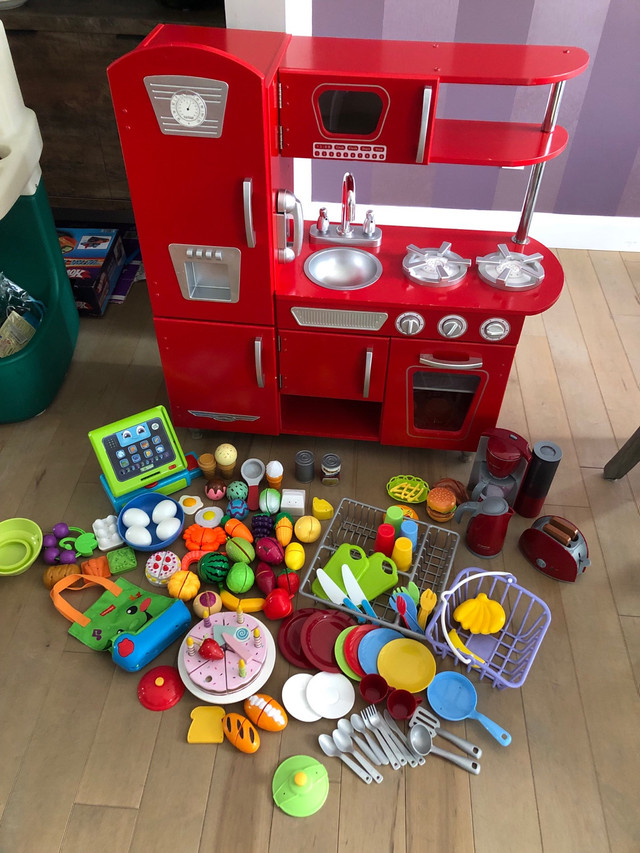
(441, 401)
(350, 113)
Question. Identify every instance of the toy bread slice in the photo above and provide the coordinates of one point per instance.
(207, 725)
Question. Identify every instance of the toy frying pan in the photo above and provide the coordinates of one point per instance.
(252, 472)
(453, 696)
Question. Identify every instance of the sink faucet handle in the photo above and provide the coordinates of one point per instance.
(323, 221)
(369, 225)
(348, 204)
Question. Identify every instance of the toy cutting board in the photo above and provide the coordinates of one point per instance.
(375, 574)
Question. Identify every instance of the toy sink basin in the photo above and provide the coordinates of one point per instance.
(20, 544)
(342, 268)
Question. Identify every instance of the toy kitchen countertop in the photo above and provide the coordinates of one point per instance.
(394, 293)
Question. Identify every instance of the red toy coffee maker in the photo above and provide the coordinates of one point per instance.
(500, 466)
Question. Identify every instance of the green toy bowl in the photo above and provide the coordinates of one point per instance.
(20, 544)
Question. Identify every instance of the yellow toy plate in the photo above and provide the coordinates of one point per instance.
(408, 489)
(407, 664)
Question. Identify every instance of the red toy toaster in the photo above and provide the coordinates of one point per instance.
(555, 547)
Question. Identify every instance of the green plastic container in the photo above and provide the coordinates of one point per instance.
(30, 256)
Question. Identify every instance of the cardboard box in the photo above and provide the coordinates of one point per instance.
(94, 258)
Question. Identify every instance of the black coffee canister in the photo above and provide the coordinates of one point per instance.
(305, 466)
(545, 458)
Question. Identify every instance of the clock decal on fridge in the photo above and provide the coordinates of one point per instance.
(188, 109)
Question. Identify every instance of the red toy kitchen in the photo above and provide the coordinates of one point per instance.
(271, 319)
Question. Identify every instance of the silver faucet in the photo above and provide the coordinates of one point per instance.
(348, 204)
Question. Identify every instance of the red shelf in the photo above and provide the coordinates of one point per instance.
(335, 418)
(488, 143)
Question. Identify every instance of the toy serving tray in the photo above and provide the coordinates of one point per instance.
(137, 451)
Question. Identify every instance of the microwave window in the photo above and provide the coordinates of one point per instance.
(350, 113)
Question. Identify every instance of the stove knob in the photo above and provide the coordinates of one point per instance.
(452, 326)
(495, 329)
(410, 323)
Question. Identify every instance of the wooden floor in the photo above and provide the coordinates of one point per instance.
(84, 767)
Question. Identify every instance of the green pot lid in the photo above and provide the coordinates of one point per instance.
(300, 786)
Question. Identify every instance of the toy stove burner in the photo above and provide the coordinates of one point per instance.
(509, 270)
(434, 267)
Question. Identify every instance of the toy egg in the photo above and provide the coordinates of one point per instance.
(160, 567)
(240, 578)
(206, 600)
(138, 536)
(135, 517)
(215, 490)
(163, 509)
(209, 516)
(240, 551)
(277, 605)
(238, 508)
(240, 732)
(168, 529)
(237, 490)
(284, 528)
(269, 550)
(265, 712)
(307, 528)
(190, 504)
(184, 585)
(269, 501)
(294, 556)
(265, 578)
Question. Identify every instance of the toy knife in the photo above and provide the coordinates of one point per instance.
(354, 590)
(333, 591)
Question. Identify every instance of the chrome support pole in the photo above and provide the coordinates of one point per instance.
(535, 178)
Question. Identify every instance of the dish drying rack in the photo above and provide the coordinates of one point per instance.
(507, 654)
(356, 523)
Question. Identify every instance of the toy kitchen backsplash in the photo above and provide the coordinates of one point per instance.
(271, 319)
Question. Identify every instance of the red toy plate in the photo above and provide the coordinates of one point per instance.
(289, 637)
(318, 638)
(351, 647)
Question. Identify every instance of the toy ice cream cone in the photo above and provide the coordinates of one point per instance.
(226, 456)
(207, 464)
(274, 473)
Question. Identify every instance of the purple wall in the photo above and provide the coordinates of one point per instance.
(599, 173)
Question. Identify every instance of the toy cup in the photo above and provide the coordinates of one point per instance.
(401, 704)
(373, 688)
(385, 539)
(402, 553)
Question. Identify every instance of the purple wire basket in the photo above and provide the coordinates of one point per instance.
(504, 657)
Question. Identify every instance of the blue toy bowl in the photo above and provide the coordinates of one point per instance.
(148, 503)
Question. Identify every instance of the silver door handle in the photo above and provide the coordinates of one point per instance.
(424, 124)
(288, 207)
(368, 363)
(257, 353)
(470, 364)
(247, 194)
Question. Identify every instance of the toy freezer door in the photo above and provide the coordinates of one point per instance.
(193, 126)
(220, 376)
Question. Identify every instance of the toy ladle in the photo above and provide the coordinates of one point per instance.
(252, 472)
(422, 742)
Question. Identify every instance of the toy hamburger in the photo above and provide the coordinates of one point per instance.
(441, 503)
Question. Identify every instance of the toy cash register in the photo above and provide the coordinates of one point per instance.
(140, 453)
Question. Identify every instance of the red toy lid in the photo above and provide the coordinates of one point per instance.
(160, 688)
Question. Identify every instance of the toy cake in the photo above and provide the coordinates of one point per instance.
(224, 652)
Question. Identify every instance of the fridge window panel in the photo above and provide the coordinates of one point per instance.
(442, 401)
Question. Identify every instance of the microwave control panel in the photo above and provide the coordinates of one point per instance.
(352, 151)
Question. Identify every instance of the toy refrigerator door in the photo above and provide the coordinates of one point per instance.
(220, 376)
(193, 126)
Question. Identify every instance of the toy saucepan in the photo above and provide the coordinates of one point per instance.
(453, 696)
(252, 472)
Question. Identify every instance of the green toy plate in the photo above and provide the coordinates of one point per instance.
(341, 659)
